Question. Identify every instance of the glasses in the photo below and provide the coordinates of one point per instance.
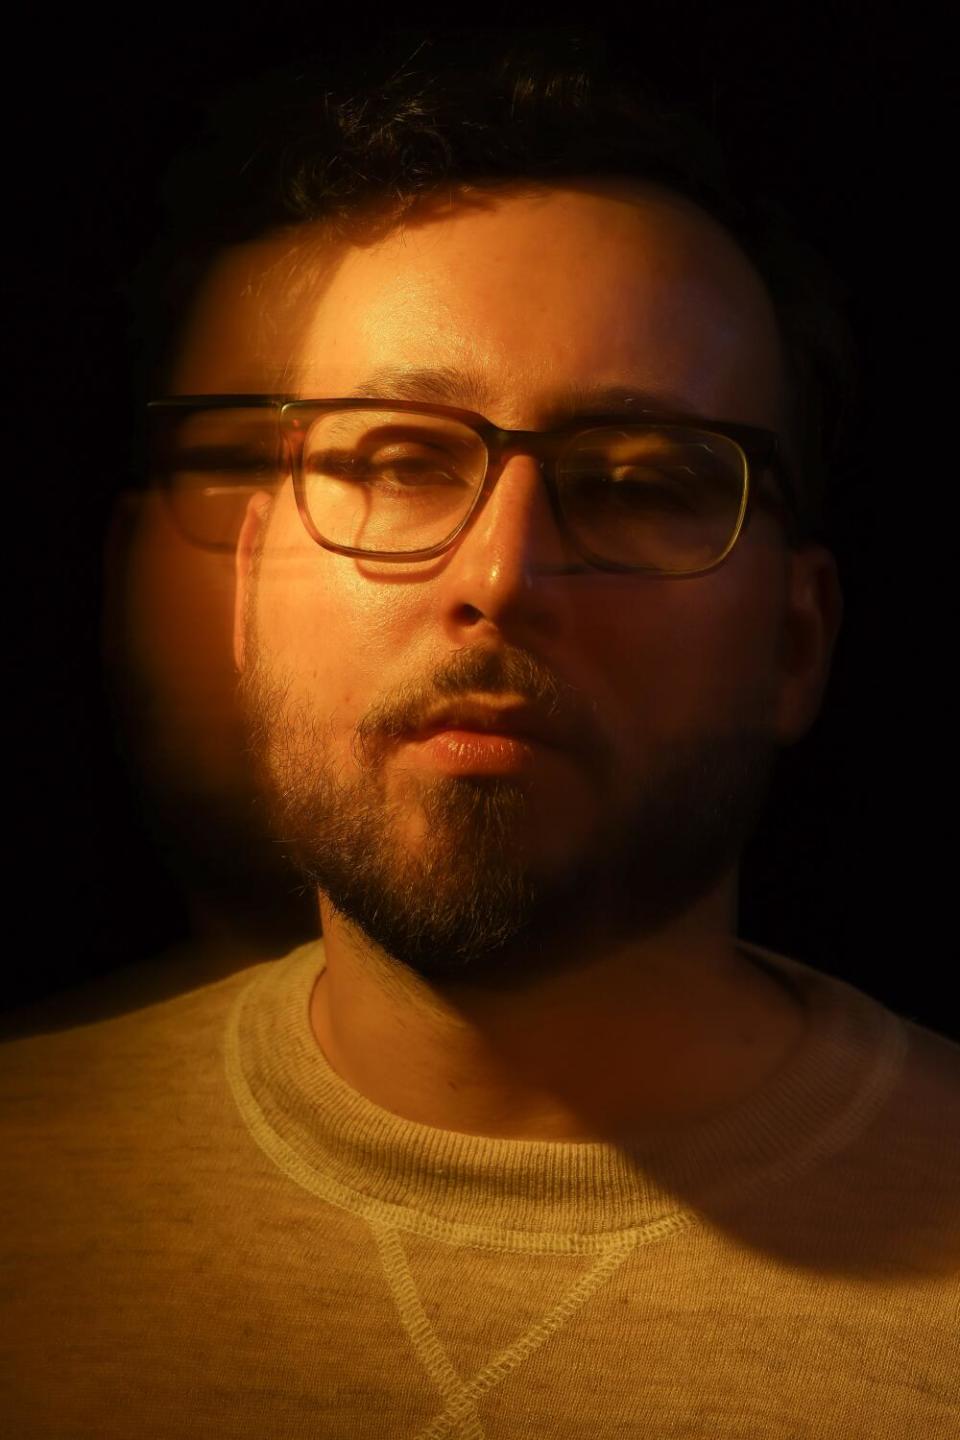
(398, 480)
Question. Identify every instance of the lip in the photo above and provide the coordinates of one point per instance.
(508, 723)
(451, 749)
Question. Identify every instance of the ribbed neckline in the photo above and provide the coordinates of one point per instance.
(540, 1194)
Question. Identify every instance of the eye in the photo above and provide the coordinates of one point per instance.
(657, 482)
(397, 468)
(635, 486)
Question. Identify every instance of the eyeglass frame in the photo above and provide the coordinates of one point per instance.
(761, 449)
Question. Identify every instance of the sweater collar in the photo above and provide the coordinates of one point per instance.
(514, 1193)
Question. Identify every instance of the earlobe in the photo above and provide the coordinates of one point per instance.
(814, 612)
(251, 532)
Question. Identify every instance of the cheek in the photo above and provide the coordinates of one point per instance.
(321, 623)
(695, 654)
(732, 637)
(735, 657)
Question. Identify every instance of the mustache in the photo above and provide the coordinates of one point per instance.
(494, 672)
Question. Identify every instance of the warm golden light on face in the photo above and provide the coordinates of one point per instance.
(540, 299)
(673, 688)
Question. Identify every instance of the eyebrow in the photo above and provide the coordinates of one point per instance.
(468, 388)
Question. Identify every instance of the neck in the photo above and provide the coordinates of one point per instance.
(616, 1040)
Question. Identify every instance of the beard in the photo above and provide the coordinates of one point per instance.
(440, 875)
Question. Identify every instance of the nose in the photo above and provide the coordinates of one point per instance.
(514, 546)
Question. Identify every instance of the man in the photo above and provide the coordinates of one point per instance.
(529, 1143)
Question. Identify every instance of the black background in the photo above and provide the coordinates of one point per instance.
(847, 115)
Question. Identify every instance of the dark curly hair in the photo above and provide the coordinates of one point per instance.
(362, 154)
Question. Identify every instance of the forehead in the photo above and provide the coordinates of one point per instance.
(534, 296)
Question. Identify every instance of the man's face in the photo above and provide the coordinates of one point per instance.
(670, 697)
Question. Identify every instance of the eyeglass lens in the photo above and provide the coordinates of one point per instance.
(665, 498)
(661, 498)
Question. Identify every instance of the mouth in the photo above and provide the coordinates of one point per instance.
(483, 736)
(512, 722)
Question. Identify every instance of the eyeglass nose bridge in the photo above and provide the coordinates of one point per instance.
(545, 447)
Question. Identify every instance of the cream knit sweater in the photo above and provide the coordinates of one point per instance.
(206, 1233)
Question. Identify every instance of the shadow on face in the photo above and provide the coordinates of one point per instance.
(170, 582)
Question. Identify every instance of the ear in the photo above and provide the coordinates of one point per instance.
(812, 618)
(254, 521)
